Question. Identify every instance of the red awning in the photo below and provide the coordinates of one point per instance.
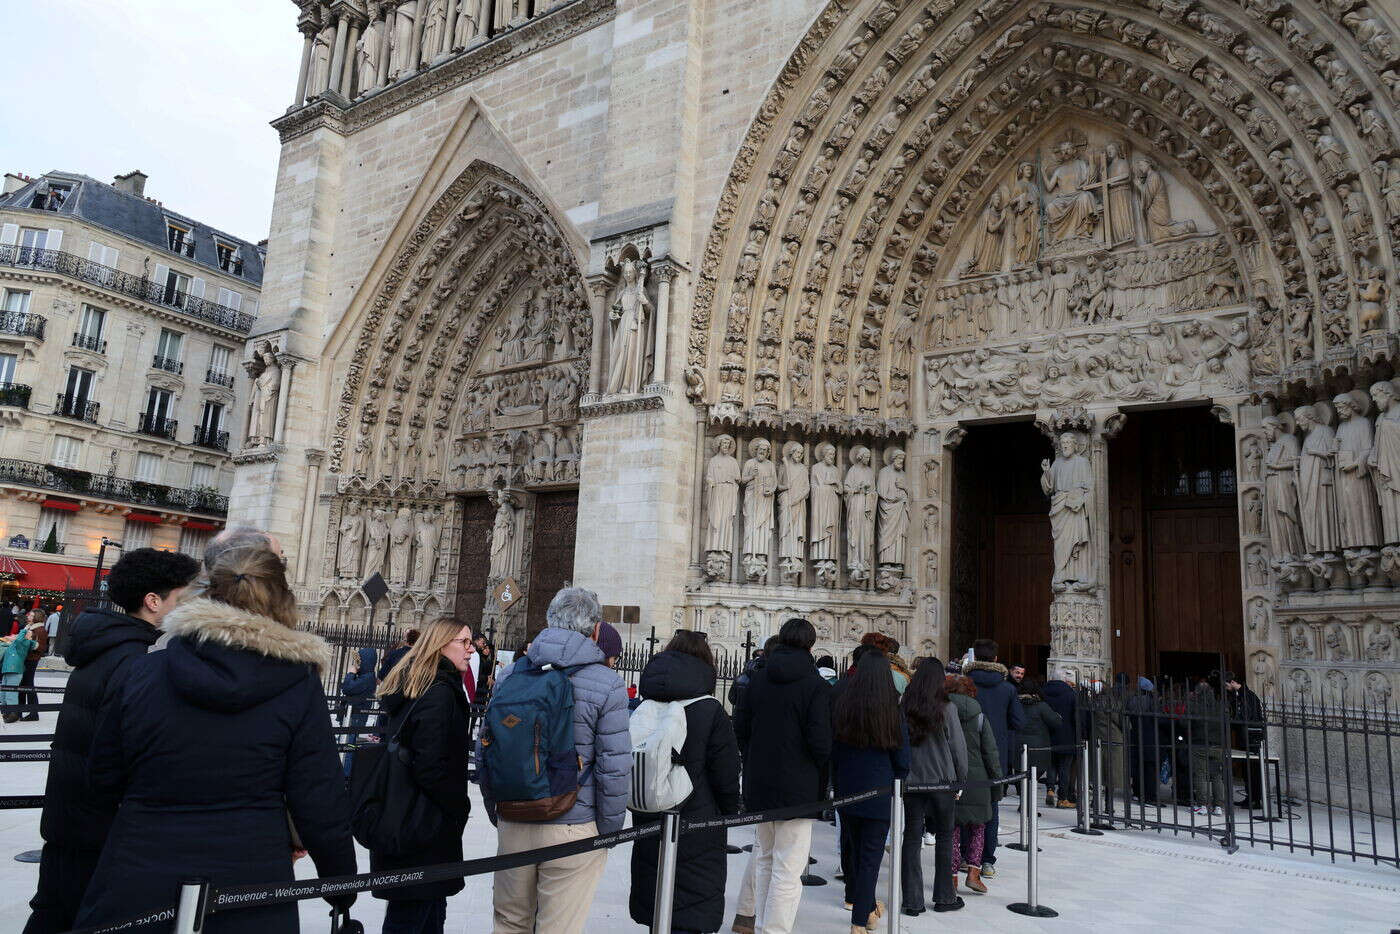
(67, 504)
(200, 525)
(9, 565)
(143, 517)
(39, 575)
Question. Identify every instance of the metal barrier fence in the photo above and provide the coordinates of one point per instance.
(1300, 776)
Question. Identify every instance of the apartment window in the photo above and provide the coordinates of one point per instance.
(136, 535)
(16, 300)
(149, 467)
(201, 475)
(33, 238)
(79, 388)
(169, 344)
(90, 323)
(213, 419)
(193, 542)
(51, 521)
(229, 258)
(230, 299)
(7, 368)
(102, 254)
(219, 359)
(179, 238)
(159, 406)
(67, 452)
(177, 286)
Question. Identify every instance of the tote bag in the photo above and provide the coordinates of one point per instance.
(390, 814)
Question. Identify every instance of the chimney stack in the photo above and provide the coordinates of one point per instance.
(13, 183)
(133, 183)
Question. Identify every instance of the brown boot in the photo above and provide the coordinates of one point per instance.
(974, 880)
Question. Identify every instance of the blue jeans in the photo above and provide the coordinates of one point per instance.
(989, 851)
(415, 916)
(862, 851)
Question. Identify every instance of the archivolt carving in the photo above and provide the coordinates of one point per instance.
(1282, 118)
(472, 354)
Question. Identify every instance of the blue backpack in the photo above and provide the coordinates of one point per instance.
(530, 766)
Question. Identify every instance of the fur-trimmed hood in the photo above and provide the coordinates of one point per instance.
(226, 659)
(204, 620)
(996, 667)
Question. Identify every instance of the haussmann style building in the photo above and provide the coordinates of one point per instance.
(1068, 323)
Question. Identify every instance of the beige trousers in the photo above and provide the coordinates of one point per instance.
(780, 859)
(552, 897)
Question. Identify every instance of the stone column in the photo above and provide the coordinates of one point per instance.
(286, 362)
(338, 56)
(381, 70)
(598, 287)
(697, 515)
(346, 84)
(665, 272)
(308, 30)
(314, 458)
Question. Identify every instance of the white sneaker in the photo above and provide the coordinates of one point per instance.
(1200, 809)
(928, 839)
(1217, 812)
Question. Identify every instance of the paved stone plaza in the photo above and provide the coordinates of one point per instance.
(1121, 881)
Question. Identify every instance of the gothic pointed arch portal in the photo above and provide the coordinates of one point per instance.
(460, 381)
(947, 213)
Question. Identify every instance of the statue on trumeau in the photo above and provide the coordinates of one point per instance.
(721, 507)
(760, 482)
(861, 498)
(1281, 487)
(503, 537)
(352, 531)
(629, 314)
(826, 514)
(1069, 481)
(794, 490)
(1358, 513)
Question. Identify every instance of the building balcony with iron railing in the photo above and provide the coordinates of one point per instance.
(168, 364)
(79, 407)
(23, 324)
(211, 438)
(125, 283)
(89, 342)
(76, 482)
(219, 378)
(15, 394)
(157, 426)
(25, 543)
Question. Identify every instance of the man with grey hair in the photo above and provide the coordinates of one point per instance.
(239, 536)
(556, 896)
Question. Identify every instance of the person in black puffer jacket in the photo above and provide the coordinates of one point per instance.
(1064, 700)
(997, 695)
(683, 671)
(427, 708)
(217, 748)
(146, 584)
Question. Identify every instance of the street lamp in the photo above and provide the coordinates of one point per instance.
(101, 554)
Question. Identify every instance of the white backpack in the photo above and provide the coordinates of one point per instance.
(659, 780)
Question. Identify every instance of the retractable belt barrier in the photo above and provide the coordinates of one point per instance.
(25, 755)
(233, 898)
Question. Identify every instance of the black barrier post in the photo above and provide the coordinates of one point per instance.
(1031, 906)
(1083, 815)
(1020, 843)
(667, 850)
(190, 910)
(896, 851)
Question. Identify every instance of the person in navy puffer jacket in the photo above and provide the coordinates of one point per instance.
(997, 695)
(556, 896)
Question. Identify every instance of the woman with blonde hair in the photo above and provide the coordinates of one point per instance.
(219, 750)
(427, 709)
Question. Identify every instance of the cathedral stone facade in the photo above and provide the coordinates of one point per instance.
(1069, 323)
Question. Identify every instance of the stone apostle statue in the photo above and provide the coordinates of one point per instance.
(1069, 482)
(826, 513)
(893, 490)
(1385, 458)
(721, 506)
(794, 489)
(1281, 487)
(630, 313)
(401, 542)
(266, 384)
(352, 531)
(427, 534)
(861, 500)
(1317, 489)
(1358, 515)
(377, 529)
(760, 483)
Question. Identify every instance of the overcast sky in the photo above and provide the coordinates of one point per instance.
(181, 89)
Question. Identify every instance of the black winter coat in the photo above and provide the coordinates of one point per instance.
(1064, 701)
(1041, 722)
(784, 730)
(211, 746)
(997, 696)
(711, 757)
(436, 734)
(100, 646)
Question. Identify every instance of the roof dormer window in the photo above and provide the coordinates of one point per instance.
(50, 196)
(181, 240)
(230, 260)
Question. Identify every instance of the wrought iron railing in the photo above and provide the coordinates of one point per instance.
(80, 482)
(15, 394)
(89, 342)
(148, 290)
(218, 378)
(21, 543)
(157, 426)
(211, 438)
(22, 324)
(77, 407)
(168, 364)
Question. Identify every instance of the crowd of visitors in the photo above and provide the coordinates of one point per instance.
(195, 740)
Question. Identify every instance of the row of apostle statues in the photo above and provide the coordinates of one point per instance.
(1331, 477)
(399, 38)
(791, 510)
(400, 542)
